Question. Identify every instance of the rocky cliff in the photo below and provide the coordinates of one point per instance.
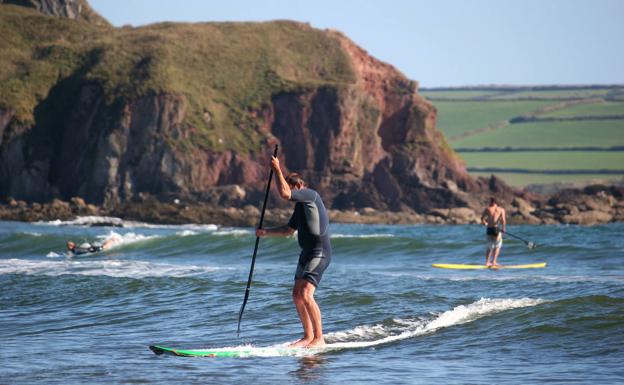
(187, 110)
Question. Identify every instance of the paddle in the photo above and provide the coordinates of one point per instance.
(529, 244)
(253, 259)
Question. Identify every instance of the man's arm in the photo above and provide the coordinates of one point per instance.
(282, 187)
(484, 216)
(504, 220)
(280, 231)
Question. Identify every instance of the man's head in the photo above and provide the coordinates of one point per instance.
(493, 201)
(71, 245)
(295, 181)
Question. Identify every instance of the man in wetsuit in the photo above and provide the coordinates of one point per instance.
(310, 220)
(87, 248)
(492, 217)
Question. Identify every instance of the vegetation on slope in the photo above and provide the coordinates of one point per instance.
(223, 70)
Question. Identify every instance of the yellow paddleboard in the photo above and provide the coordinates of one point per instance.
(465, 267)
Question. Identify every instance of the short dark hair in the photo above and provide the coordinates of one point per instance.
(493, 201)
(294, 179)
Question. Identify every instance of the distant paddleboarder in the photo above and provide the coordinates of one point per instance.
(310, 220)
(493, 216)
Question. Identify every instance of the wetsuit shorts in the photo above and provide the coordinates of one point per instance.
(312, 265)
(494, 238)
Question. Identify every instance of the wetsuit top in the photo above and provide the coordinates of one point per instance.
(311, 221)
(86, 248)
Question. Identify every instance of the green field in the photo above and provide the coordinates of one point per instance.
(558, 94)
(456, 118)
(604, 133)
(478, 119)
(458, 94)
(547, 160)
(594, 109)
(521, 180)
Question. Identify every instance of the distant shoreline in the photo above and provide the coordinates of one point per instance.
(592, 205)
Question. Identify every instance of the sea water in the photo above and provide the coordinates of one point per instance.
(389, 316)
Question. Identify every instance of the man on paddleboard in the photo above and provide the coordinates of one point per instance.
(310, 221)
(492, 217)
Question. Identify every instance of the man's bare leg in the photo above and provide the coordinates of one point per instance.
(496, 252)
(314, 313)
(488, 254)
(304, 316)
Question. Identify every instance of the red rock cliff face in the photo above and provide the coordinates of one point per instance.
(372, 142)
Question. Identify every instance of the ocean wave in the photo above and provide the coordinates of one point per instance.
(94, 220)
(111, 268)
(91, 220)
(124, 239)
(233, 231)
(365, 336)
(400, 329)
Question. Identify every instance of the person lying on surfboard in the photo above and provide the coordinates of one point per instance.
(86, 248)
(310, 220)
(492, 217)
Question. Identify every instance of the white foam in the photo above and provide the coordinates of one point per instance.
(111, 268)
(186, 233)
(408, 328)
(118, 222)
(124, 239)
(87, 221)
(52, 254)
(400, 329)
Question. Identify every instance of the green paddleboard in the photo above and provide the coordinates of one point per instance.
(240, 351)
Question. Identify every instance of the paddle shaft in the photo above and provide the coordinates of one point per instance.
(530, 244)
(253, 258)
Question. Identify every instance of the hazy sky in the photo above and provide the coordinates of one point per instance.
(438, 42)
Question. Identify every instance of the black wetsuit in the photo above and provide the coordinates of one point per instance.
(312, 224)
(86, 250)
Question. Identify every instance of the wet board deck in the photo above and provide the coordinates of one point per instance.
(467, 267)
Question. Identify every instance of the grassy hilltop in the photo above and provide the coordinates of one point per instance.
(224, 70)
(535, 135)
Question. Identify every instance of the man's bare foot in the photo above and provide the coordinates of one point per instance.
(489, 264)
(302, 343)
(316, 343)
